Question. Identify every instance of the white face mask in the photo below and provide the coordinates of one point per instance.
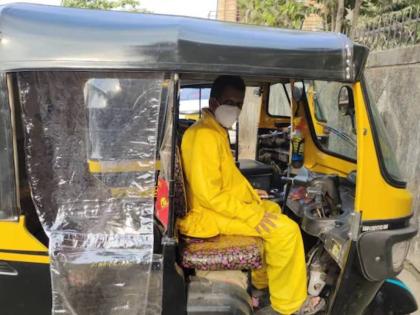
(226, 115)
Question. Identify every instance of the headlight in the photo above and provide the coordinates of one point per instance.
(399, 253)
(382, 253)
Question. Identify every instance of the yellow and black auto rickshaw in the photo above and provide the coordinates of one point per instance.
(92, 184)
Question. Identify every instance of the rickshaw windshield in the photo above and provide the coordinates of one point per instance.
(385, 147)
(337, 133)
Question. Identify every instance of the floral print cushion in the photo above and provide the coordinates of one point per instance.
(223, 252)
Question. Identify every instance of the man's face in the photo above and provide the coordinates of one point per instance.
(230, 96)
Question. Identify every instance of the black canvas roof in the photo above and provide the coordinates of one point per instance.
(49, 37)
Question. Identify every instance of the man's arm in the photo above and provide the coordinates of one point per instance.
(205, 180)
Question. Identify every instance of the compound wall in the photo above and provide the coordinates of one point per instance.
(394, 78)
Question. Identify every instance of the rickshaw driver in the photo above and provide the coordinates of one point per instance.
(222, 201)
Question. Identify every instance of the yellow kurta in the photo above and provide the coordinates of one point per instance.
(222, 201)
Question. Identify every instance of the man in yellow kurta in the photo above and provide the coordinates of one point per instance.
(222, 201)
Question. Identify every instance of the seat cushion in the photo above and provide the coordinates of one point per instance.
(223, 252)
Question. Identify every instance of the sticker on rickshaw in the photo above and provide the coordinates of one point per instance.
(162, 201)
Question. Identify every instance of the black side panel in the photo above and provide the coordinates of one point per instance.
(174, 298)
(354, 291)
(28, 292)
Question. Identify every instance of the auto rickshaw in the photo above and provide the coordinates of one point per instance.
(92, 183)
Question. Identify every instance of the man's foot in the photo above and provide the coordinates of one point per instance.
(312, 305)
(268, 310)
(260, 298)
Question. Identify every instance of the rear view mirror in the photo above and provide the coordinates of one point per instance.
(345, 101)
(346, 104)
(297, 91)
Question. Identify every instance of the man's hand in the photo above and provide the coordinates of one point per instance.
(267, 223)
(262, 193)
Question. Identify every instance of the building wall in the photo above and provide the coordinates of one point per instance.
(227, 10)
(394, 78)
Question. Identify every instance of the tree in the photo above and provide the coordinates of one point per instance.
(340, 16)
(355, 18)
(280, 13)
(127, 5)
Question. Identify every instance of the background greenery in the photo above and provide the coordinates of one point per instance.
(126, 5)
(339, 15)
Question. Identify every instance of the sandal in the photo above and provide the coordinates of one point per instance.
(260, 298)
(268, 310)
(310, 308)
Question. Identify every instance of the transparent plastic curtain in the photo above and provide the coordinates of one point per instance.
(8, 204)
(90, 146)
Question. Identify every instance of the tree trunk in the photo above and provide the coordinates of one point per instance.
(356, 12)
(340, 16)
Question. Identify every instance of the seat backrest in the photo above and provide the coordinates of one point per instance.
(180, 198)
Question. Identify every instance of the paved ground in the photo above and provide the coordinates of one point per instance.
(411, 278)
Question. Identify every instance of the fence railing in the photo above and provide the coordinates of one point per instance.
(396, 29)
(391, 30)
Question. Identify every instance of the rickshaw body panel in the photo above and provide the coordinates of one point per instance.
(266, 120)
(376, 198)
(269, 122)
(18, 244)
(25, 282)
(29, 292)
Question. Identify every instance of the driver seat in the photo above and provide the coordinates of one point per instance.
(223, 252)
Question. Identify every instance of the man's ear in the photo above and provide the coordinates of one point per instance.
(213, 103)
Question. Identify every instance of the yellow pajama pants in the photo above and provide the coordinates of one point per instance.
(285, 270)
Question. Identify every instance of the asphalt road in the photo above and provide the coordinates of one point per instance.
(411, 278)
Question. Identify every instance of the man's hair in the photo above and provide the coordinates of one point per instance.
(224, 81)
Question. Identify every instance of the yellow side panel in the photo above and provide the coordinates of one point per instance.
(37, 259)
(15, 237)
(267, 121)
(375, 198)
(122, 166)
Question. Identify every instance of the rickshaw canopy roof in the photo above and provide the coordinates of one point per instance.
(52, 37)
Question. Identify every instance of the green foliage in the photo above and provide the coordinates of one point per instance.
(280, 13)
(373, 8)
(127, 5)
(291, 13)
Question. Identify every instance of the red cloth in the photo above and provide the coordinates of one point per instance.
(162, 201)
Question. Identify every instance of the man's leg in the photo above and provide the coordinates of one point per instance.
(259, 276)
(284, 257)
(286, 268)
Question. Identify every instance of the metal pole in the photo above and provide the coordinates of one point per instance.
(175, 112)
